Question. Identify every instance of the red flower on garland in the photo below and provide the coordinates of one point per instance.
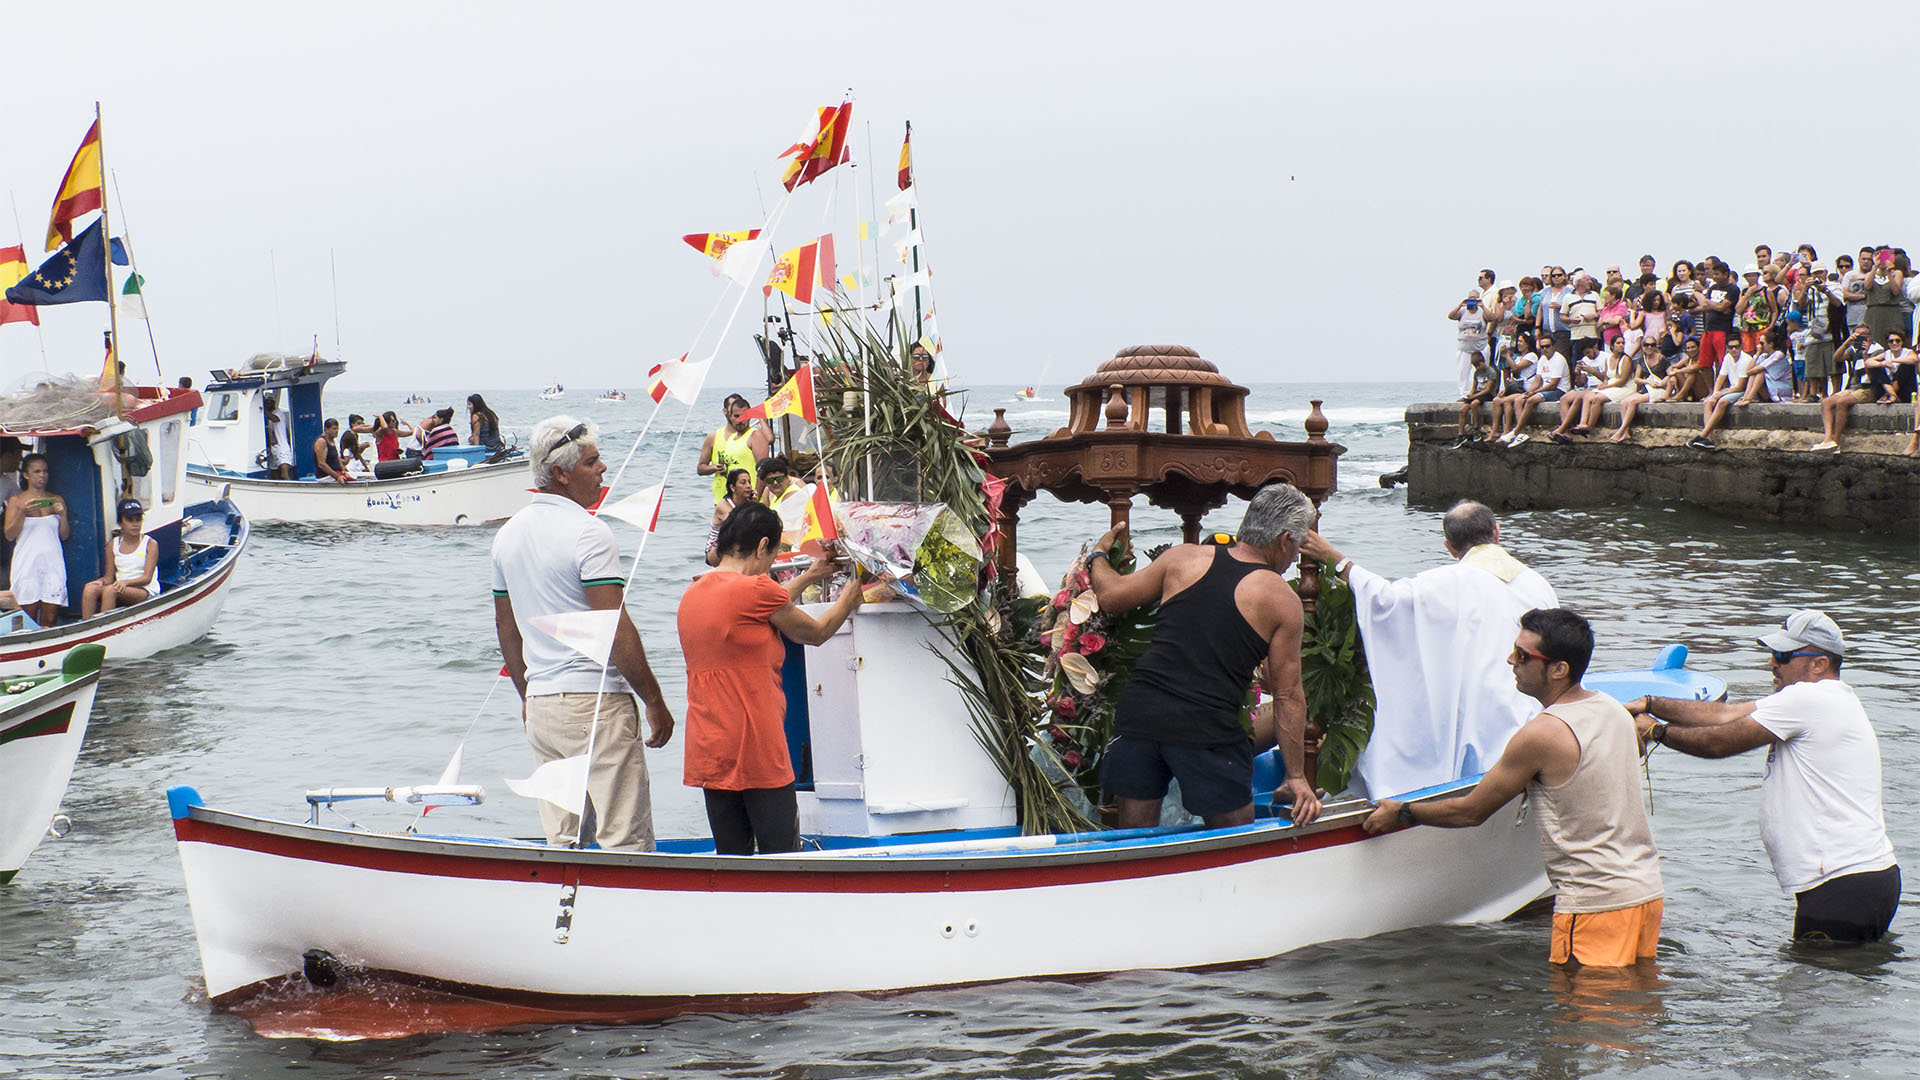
(1066, 706)
(1072, 759)
(1092, 642)
(1061, 599)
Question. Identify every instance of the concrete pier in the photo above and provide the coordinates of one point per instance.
(1761, 469)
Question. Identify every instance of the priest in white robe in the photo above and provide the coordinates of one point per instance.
(1437, 647)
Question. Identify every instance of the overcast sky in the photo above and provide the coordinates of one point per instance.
(1298, 191)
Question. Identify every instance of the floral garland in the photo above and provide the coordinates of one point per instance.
(1090, 653)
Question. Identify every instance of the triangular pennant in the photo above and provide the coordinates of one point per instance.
(449, 776)
(589, 633)
(562, 782)
(682, 378)
(640, 509)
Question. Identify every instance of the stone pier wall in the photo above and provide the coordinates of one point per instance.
(1761, 470)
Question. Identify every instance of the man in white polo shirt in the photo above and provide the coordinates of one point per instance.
(1820, 815)
(553, 558)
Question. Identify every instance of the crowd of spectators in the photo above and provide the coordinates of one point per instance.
(1787, 327)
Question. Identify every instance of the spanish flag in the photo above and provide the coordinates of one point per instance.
(906, 160)
(820, 149)
(13, 268)
(80, 191)
(819, 515)
(794, 398)
(799, 270)
(714, 245)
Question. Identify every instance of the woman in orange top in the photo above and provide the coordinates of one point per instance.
(731, 622)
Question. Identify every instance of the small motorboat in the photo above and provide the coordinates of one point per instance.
(553, 392)
(613, 397)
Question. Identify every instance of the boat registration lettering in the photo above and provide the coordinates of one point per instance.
(392, 500)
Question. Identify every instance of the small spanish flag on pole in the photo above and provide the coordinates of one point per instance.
(800, 269)
(906, 159)
(794, 398)
(13, 270)
(819, 512)
(821, 148)
(80, 190)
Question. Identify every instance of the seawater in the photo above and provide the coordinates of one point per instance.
(365, 655)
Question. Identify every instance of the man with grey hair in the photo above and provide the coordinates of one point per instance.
(554, 564)
(1437, 646)
(1223, 609)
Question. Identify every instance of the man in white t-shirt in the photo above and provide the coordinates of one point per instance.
(1728, 385)
(553, 558)
(1820, 816)
(1555, 379)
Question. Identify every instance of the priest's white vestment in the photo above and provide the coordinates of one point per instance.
(1437, 647)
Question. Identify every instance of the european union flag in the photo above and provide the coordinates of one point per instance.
(71, 275)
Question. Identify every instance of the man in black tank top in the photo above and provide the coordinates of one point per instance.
(1222, 611)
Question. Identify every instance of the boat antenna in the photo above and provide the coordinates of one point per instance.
(126, 227)
(37, 329)
(333, 272)
(279, 331)
(106, 257)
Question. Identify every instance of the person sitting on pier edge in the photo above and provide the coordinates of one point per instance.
(1820, 809)
(738, 444)
(326, 455)
(731, 623)
(1222, 610)
(1520, 378)
(1728, 385)
(1486, 384)
(1438, 719)
(739, 493)
(555, 558)
(1554, 378)
(1874, 381)
(136, 566)
(1580, 410)
(1578, 762)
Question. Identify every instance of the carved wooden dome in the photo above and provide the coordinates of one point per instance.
(1194, 395)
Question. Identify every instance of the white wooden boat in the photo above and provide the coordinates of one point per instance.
(200, 540)
(552, 392)
(612, 397)
(461, 485)
(913, 876)
(43, 721)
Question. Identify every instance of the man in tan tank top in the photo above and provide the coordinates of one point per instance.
(1579, 763)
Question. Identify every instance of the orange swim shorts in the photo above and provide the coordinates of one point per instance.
(1606, 938)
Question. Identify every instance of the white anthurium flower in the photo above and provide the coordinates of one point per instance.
(1080, 672)
(1084, 607)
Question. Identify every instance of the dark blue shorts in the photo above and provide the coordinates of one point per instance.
(1213, 779)
(1548, 397)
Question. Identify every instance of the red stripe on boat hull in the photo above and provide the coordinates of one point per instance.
(692, 880)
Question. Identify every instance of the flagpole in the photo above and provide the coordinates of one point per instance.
(913, 226)
(134, 264)
(333, 274)
(38, 330)
(106, 256)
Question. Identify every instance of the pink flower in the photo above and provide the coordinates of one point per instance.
(1059, 735)
(1066, 707)
(1069, 636)
(1080, 583)
(1091, 643)
(1061, 599)
(1072, 759)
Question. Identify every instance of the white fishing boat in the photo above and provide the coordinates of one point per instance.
(200, 535)
(913, 875)
(612, 397)
(227, 451)
(553, 392)
(43, 721)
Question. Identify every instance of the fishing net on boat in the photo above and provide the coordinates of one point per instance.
(270, 361)
(51, 402)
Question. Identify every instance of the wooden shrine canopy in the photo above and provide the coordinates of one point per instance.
(1205, 454)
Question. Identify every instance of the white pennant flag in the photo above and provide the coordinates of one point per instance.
(449, 776)
(899, 206)
(640, 509)
(681, 377)
(589, 633)
(562, 783)
(741, 263)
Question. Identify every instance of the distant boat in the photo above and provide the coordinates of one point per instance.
(418, 399)
(618, 397)
(227, 452)
(1026, 392)
(553, 392)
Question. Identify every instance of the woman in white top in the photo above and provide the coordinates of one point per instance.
(36, 522)
(136, 566)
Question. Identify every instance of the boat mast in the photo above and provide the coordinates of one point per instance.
(106, 255)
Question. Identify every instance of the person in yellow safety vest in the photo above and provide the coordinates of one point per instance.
(776, 480)
(738, 445)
